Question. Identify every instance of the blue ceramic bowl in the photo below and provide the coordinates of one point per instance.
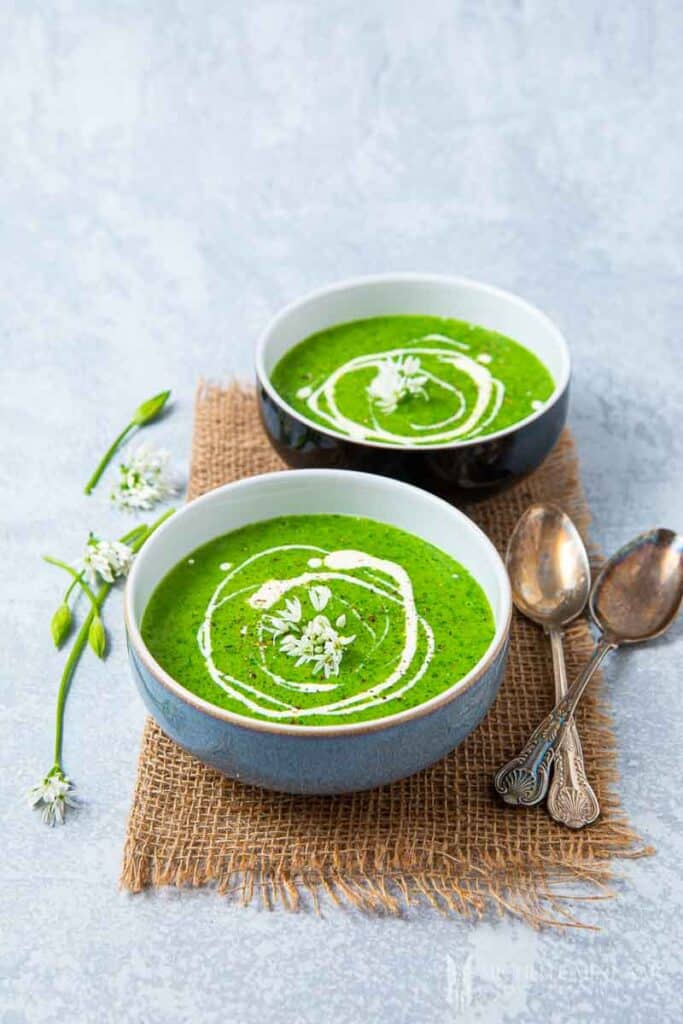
(462, 471)
(318, 759)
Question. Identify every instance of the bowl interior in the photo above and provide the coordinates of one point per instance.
(317, 491)
(414, 294)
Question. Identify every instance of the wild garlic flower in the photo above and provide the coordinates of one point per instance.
(143, 481)
(52, 796)
(319, 644)
(319, 596)
(395, 380)
(108, 559)
(286, 620)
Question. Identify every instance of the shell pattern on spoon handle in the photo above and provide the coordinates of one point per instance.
(571, 799)
(524, 780)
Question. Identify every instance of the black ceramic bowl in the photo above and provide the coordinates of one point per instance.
(461, 471)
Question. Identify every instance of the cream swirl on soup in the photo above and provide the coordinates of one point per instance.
(317, 619)
(383, 380)
(293, 617)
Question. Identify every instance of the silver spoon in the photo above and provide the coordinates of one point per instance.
(636, 597)
(550, 577)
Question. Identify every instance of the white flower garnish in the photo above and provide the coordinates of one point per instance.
(319, 596)
(143, 481)
(52, 796)
(300, 647)
(319, 644)
(287, 619)
(109, 559)
(396, 380)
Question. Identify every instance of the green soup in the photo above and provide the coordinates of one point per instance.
(412, 380)
(318, 620)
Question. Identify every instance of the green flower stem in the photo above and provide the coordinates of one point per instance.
(136, 544)
(82, 639)
(77, 578)
(144, 413)
(71, 662)
(106, 459)
(138, 531)
(74, 583)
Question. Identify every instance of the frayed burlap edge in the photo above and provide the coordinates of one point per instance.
(537, 883)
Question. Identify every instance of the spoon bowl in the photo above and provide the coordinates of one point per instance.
(548, 567)
(638, 593)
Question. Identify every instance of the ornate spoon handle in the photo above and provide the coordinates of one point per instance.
(523, 781)
(571, 799)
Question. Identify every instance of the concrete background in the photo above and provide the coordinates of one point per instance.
(170, 174)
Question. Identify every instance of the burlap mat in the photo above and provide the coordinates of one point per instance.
(440, 836)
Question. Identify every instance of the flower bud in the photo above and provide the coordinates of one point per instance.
(60, 627)
(97, 638)
(150, 409)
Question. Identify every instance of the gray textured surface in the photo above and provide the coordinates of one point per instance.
(171, 173)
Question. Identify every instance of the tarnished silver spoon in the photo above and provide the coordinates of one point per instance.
(636, 597)
(550, 578)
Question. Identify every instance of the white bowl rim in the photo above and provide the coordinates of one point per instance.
(406, 278)
(344, 729)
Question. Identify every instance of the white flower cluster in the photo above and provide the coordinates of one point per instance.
(318, 642)
(143, 481)
(53, 796)
(106, 558)
(395, 380)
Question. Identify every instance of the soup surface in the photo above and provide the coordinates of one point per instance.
(412, 380)
(318, 620)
